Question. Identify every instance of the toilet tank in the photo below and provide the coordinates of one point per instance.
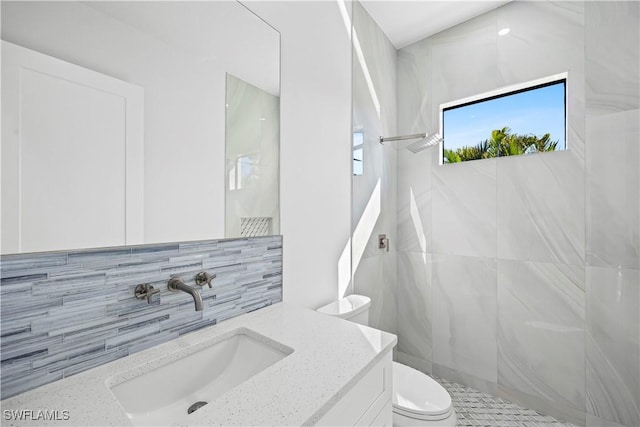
(353, 307)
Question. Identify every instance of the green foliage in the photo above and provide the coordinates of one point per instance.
(451, 156)
(502, 143)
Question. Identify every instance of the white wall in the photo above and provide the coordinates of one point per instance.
(315, 169)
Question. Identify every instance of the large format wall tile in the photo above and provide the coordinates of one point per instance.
(464, 315)
(535, 27)
(464, 208)
(540, 212)
(374, 113)
(372, 278)
(414, 170)
(66, 312)
(389, 313)
(414, 304)
(414, 88)
(463, 62)
(613, 235)
(376, 213)
(613, 344)
(541, 330)
(466, 378)
(414, 233)
(375, 55)
(612, 46)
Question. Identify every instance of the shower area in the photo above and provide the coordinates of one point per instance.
(515, 277)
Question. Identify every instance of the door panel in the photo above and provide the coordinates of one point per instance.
(72, 155)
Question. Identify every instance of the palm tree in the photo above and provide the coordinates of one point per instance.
(497, 142)
(502, 143)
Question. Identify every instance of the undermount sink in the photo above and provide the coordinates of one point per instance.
(182, 383)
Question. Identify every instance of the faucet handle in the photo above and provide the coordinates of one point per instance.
(145, 291)
(204, 278)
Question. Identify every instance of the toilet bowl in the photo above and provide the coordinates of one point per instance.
(418, 400)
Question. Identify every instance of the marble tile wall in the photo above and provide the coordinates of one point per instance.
(374, 192)
(414, 297)
(464, 315)
(612, 351)
(530, 264)
(612, 212)
(66, 312)
(541, 312)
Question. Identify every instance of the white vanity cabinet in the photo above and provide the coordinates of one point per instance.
(368, 403)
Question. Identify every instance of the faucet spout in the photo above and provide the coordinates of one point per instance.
(176, 284)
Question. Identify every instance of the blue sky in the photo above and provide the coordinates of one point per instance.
(536, 112)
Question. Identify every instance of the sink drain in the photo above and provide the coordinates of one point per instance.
(195, 407)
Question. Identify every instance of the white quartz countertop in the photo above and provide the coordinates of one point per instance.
(329, 356)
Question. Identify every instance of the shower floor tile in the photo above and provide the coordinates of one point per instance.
(475, 408)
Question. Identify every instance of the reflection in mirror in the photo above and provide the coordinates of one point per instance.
(358, 152)
(114, 123)
(253, 132)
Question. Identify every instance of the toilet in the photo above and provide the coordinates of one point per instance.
(418, 400)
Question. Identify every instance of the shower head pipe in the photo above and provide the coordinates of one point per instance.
(384, 139)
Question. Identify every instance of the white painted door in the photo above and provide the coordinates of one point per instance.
(72, 155)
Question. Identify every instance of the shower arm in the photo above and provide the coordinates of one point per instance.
(402, 137)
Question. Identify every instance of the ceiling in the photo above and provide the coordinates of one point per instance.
(407, 21)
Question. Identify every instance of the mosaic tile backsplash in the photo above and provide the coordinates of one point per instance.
(65, 312)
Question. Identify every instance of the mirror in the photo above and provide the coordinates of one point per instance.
(253, 134)
(114, 122)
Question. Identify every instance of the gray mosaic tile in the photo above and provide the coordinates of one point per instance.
(106, 357)
(34, 262)
(474, 408)
(63, 313)
(155, 250)
(98, 256)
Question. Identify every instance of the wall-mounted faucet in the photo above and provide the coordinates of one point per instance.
(176, 284)
(145, 291)
(204, 278)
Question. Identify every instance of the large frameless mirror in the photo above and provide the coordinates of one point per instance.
(115, 126)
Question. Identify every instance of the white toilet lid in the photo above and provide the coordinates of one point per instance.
(417, 395)
(347, 306)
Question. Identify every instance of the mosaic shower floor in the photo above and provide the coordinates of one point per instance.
(475, 408)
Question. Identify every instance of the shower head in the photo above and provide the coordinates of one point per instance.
(417, 146)
(425, 143)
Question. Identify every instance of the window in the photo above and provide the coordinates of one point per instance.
(358, 146)
(519, 120)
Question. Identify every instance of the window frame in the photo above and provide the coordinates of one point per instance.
(504, 92)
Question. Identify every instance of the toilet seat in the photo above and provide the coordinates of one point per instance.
(418, 396)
